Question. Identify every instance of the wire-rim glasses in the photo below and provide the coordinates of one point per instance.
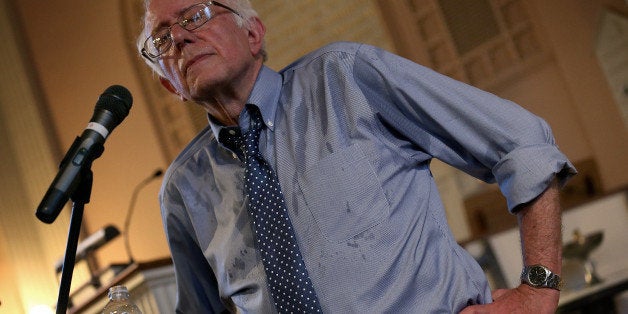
(160, 41)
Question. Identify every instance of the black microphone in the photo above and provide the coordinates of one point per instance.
(112, 107)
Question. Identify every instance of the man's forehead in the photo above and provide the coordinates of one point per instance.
(163, 11)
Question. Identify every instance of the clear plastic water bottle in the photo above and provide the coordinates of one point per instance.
(120, 302)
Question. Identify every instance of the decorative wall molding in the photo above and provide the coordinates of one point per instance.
(502, 41)
(611, 50)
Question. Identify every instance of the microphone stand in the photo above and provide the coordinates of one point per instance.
(79, 197)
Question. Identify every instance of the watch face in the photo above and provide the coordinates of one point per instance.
(537, 275)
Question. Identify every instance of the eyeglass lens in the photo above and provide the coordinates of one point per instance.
(191, 19)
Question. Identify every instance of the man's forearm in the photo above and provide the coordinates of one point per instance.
(541, 243)
(540, 228)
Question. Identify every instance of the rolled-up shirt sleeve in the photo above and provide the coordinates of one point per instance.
(488, 137)
(527, 171)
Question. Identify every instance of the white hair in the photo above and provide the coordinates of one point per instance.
(243, 7)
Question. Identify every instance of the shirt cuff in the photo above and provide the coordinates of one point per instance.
(526, 172)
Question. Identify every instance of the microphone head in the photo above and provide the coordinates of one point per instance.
(158, 173)
(117, 100)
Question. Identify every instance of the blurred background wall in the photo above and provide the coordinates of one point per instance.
(552, 57)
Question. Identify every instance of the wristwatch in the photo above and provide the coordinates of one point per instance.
(539, 276)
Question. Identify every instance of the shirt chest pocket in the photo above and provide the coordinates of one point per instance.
(343, 194)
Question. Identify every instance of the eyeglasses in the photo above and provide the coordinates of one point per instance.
(192, 18)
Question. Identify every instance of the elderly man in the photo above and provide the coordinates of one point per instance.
(310, 190)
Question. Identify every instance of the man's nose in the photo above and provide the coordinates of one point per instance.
(181, 36)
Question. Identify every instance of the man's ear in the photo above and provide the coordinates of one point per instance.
(257, 32)
(166, 84)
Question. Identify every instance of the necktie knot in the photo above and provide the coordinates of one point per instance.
(246, 144)
(231, 138)
(251, 137)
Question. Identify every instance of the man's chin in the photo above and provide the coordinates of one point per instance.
(200, 95)
(202, 87)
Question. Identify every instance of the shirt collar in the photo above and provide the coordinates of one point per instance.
(265, 95)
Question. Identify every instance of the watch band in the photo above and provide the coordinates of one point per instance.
(539, 276)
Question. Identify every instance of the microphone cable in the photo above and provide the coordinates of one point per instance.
(129, 213)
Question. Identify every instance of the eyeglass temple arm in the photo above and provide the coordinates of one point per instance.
(145, 55)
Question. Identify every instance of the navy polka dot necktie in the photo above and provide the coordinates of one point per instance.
(288, 279)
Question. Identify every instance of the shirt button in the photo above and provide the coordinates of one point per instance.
(234, 155)
(232, 132)
(270, 123)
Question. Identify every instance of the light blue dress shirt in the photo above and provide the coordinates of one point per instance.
(351, 130)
